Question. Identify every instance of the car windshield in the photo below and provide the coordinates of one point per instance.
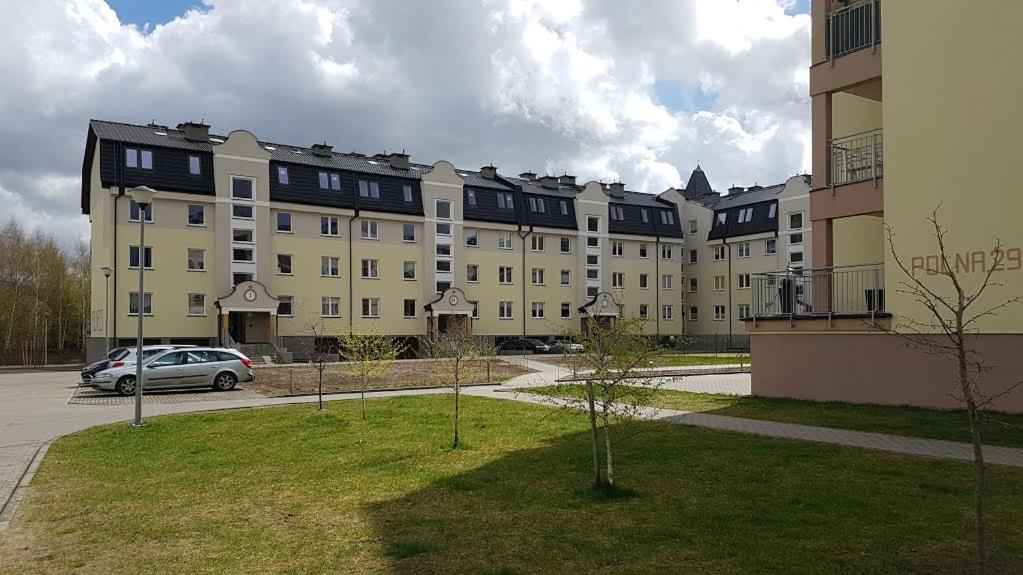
(118, 353)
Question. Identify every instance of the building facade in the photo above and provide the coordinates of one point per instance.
(912, 109)
(255, 242)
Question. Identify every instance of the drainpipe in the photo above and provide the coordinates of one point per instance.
(351, 241)
(523, 237)
(120, 194)
(657, 285)
(728, 310)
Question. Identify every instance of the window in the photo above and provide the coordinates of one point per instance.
(742, 250)
(743, 281)
(408, 232)
(443, 249)
(443, 229)
(667, 312)
(504, 310)
(196, 215)
(643, 251)
(472, 273)
(443, 266)
(472, 238)
(133, 212)
(719, 313)
(618, 280)
(666, 281)
(644, 311)
(537, 310)
(196, 260)
(742, 311)
(566, 245)
(564, 207)
(284, 222)
(475, 310)
(243, 255)
(285, 305)
(692, 285)
(330, 226)
(722, 217)
(667, 217)
(284, 264)
(406, 194)
(147, 159)
(537, 276)
(196, 304)
(592, 274)
(369, 230)
(592, 224)
(772, 211)
(692, 226)
(719, 283)
(795, 220)
(241, 188)
(694, 314)
(644, 215)
(796, 257)
(770, 247)
(133, 257)
(241, 236)
(536, 242)
(131, 158)
(694, 256)
(443, 286)
(592, 259)
(470, 196)
(335, 182)
(239, 277)
(369, 190)
(409, 307)
(592, 242)
(133, 303)
(371, 269)
(408, 270)
(330, 266)
(443, 210)
(719, 253)
(665, 251)
(241, 212)
(617, 249)
(504, 275)
(566, 309)
(795, 239)
(370, 307)
(282, 175)
(194, 166)
(643, 282)
(504, 241)
(504, 201)
(330, 307)
(745, 215)
(566, 277)
(591, 291)
(617, 213)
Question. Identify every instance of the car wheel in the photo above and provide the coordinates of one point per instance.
(225, 381)
(126, 385)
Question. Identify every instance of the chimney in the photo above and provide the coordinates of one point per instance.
(527, 176)
(398, 161)
(754, 188)
(489, 172)
(567, 180)
(549, 182)
(617, 190)
(323, 150)
(195, 131)
(735, 190)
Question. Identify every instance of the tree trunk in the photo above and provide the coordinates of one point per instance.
(597, 481)
(458, 413)
(363, 394)
(319, 391)
(607, 446)
(981, 471)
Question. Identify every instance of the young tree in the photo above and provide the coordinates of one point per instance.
(370, 355)
(953, 314)
(458, 359)
(319, 356)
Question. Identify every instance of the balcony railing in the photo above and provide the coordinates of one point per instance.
(853, 28)
(823, 292)
(857, 158)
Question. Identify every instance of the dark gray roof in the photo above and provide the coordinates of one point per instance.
(147, 136)
(747, 197)
(698, 186)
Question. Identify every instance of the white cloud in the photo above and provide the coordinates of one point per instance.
(525, 84)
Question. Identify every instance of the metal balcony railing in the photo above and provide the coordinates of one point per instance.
(857, 158)
(853, 28)
(821, 292)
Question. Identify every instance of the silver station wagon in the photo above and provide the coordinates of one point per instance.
(219, 368)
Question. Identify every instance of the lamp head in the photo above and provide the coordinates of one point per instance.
(107, 271)
(143, 195)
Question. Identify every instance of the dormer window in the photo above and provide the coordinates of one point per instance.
(194, 166)
(722, 217)
(773, 211)
(406, 192)
(282, 175)
(135, 158)
(667, 218)
(617, 213)
(324, 183)
(369, 190)
(537, 205)
(471, 195)
(147, 159)
(644, 215)
(745, 215)
(564, 208)
(504, 201)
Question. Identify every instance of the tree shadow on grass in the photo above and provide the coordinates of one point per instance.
(696, 501)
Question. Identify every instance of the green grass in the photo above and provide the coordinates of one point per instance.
(685, 360)
(1000, 428)
(292, 490)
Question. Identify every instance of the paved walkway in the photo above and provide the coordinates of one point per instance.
(35, 410)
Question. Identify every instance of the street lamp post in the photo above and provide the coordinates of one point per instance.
(106, 308)
(46, 335)
(143, 197)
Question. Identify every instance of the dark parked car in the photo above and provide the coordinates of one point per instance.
(89, 371)
(566, 346)
(525, 344)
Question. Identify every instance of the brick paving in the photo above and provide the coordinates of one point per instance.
(89, 396)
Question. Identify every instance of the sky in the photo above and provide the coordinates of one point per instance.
(601, 89)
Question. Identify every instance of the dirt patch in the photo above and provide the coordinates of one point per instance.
(299, 378)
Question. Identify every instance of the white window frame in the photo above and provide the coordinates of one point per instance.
(537, 310)
(148, 212)
(723, 283)
(474, 267)
(536, 276)
(333, 223)
(801, 222)
(146, 296)
(743, 281)
(667, 312)
(369, 230)
(505, 310)
(291, 223)
(768, 243)
(188, 215)
(536, 242)
(202, 259)
(474, 235)
(373, 310)
(666, 251)
(723, 312)
(188, 304)
(291, 264)
(415, 270)
(565, 241)
(720, 253)
(563, 282)
(141, 254)
(666, 281)
(505, 270)
(504, 241)
(742, 311)
(330, 303)
(617, 280)
(742, 250)
(415, 308)
(405, 239)
(618, 248)
(370, 269)
(291, 303)
(328, 260)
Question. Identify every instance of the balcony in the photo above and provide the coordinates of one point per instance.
(854, 27)
(856, 158)
(847, 291)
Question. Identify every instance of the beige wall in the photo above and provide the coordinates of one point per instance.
(852, 114)
(858, 240)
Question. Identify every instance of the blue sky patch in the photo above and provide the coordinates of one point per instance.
(152, 12)
(673, 96)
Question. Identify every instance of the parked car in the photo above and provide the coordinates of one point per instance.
(525, 344)
(566, 346)
(103, 363)
(219, 368)
(125, 358)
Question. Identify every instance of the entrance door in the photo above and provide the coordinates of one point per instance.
(236, 326)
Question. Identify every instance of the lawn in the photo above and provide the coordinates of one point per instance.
(667, 359)
(291, 490)
(1001, 428)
